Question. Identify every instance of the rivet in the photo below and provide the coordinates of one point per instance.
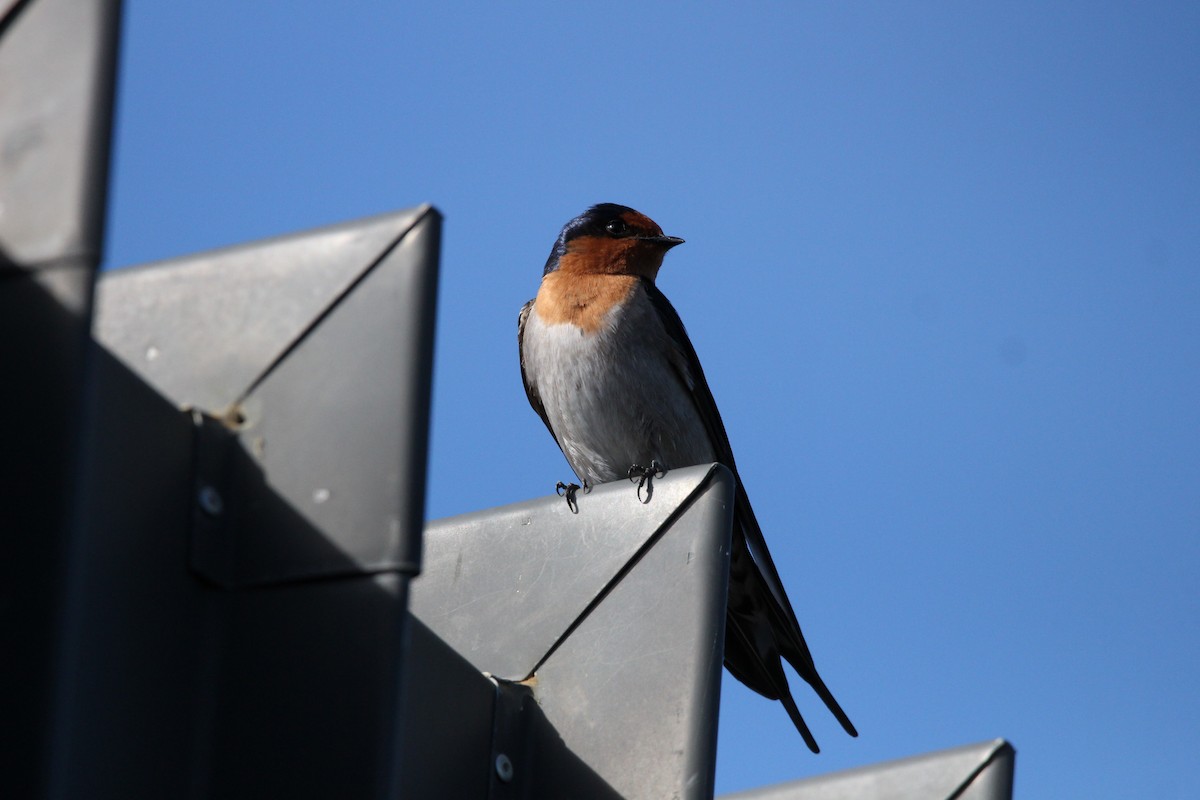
(504, 768)
(210, 501)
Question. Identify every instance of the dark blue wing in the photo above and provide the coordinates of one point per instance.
(760, 624)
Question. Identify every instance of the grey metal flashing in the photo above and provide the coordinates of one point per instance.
(981, 771)
(306, 362)
(163, 318)
(615, 613)
(210, 623)
(57, 67)
(57, 64)
(284, 642)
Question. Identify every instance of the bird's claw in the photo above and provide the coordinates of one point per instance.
(645, 477)
(568, 490)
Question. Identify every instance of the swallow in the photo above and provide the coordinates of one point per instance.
(610, 370)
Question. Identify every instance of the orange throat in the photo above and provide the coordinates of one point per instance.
(582, 300)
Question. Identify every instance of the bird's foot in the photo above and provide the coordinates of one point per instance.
(645, 477)
(569, 490)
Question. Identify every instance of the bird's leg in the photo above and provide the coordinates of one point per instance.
(568, 491)
(645, 477)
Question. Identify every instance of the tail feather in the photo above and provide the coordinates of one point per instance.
(761, 627)
(797, 720)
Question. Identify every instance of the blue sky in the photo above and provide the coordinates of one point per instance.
(942, 269)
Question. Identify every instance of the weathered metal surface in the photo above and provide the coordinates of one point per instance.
(315, 352)
(57, 64)
(613, 616)
(981, 771)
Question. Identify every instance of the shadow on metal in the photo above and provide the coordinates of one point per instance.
(306, 353)
(472, 736)
(229, 617)
(611, 619)
(57, 62)
(981, 771)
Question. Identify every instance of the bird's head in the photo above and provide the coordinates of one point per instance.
(610, 239)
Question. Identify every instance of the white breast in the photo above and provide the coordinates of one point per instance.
(613, 397)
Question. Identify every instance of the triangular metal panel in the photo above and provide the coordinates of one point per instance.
(536, 562)
(336, 424)
(633, 690)
(315, 352)
(981, 771)
(200, 682)
(162, 319)
(612, 616)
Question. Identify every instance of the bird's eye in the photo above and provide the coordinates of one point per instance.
(616, 227)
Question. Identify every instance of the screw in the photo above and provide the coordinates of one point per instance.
(504, 768)
(210, 501)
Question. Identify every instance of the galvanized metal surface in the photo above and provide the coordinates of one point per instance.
(555, 570)
(310, 348)
(981, 771)
(162, 319)
(57, 61)
(181, 678)
(615, 615)
(451, 716)
(647, 660)
(141, 638)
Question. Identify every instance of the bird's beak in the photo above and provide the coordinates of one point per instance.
(665, 242)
